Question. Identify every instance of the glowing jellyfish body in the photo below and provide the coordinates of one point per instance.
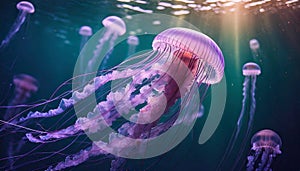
(114, 27)
(25, 85)
(265, 146)
(250, 71)
(85, 32)
(255, 48)
(25, 8)
(146, 91)
(132, 42)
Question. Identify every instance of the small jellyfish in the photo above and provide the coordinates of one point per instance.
(132, 42)
(25, 8)
(255, 48)
(265, 146)
(114, 27)
(250, 71)
(85, 32)
(25, 85)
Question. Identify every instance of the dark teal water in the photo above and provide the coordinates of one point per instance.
(47, 47)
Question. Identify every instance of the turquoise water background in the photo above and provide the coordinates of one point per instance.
(47, 48)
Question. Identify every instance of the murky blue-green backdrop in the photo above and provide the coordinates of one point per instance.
(47, 47)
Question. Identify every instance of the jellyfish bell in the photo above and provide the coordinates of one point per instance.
(199, 52)
(26, 6)
(266, 139)
(254, 44)
(115, 23)
(85, 31)
(251, 68)
(133, 40)
(26, 83)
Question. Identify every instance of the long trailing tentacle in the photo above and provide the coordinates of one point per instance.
(251, 117)
(237, 129)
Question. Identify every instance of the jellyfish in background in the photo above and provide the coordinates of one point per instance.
(25, 85)
(85, 32)
(265, 146)
(114, 27)
(24, 7)
(250, 71)
(132, 42)
(255, 49)
(147, 95)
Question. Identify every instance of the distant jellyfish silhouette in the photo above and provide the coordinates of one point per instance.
(149, 93)
(250, 71)
(132, 42)
(266, 145)
(255, 49)
(25, 8)
(85, 32)
(25, 85)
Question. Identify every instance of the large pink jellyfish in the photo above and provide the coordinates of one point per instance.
(147, 91)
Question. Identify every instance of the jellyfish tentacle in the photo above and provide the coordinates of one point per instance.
(251, 117)
(80, 95)
(252, 159)
(93, 123)
(80, 157)
(238, 124)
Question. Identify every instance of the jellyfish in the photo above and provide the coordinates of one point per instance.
(250, 71)
(265, 146)
(132, 42)
(85, 32)
(24, 7)
(25, 85)
(254, 46)
(150, 91)
(115, 27)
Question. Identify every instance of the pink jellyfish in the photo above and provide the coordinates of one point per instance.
(147, 92)
(265, 146)
(25, 8)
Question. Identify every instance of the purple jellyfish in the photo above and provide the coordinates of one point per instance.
(25, 85)
(24, 7)
(132, 42)
(146, 94)
(115, 27)
(250, 71)
(265, 146)
(85, 32)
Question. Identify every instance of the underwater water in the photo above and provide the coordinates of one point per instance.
(47, 47)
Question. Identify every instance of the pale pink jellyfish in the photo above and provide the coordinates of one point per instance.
(114, 27)
(25, 8)
(132, 42)
(147, 92)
